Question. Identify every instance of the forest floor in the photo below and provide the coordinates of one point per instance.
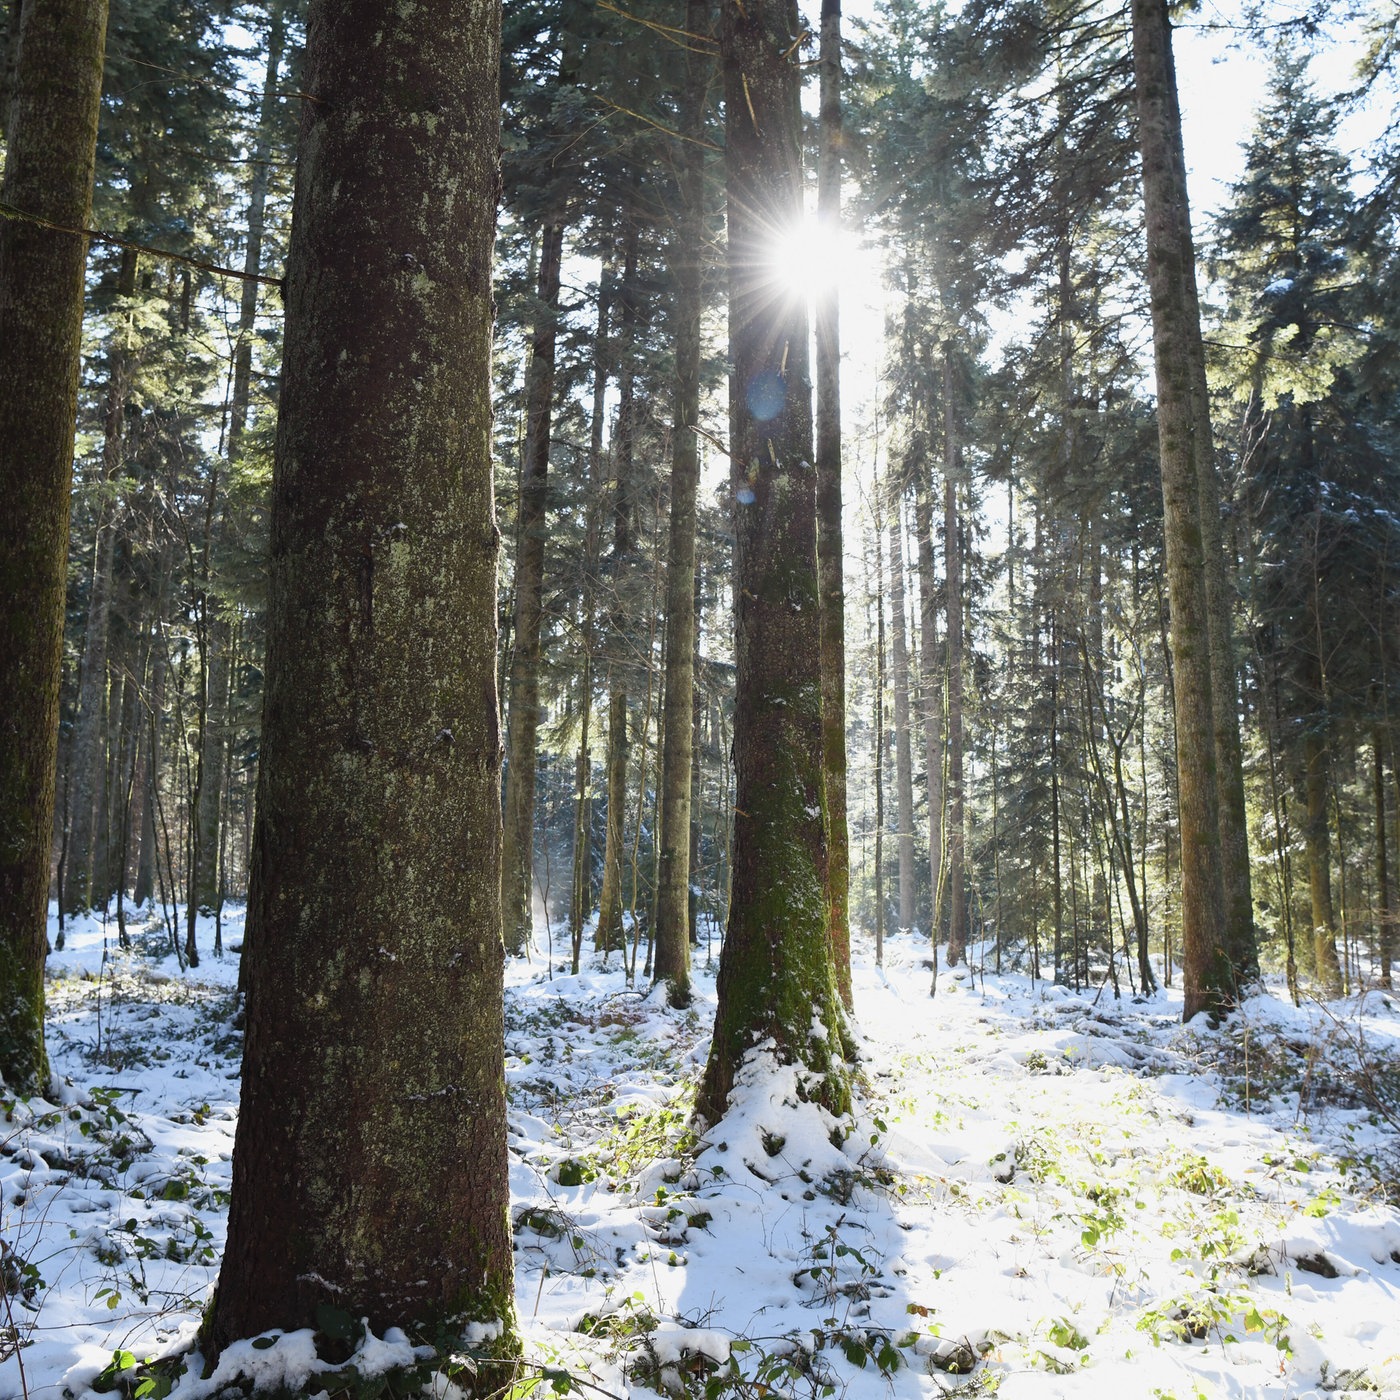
(1042, 1193)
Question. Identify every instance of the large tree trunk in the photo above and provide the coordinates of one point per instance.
(523, 682)
(903, 748)
(1208, 972)
(829, 537)
(671, 937)
(374, 1029)
(52, 133)
(777, 984)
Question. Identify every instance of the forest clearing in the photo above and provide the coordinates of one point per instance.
(1040, 1193)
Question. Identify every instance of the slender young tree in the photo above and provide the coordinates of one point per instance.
(776, 979)
(523, 680)
(374, 1028)
(671, 959)
(46, 198)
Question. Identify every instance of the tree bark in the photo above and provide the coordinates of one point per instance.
(829, 538)
(903, 745)
(1208, 973)
(671, 955)
(374, 1029)
(523, 684)
(52, 131)
(1385, 904)
(1317, 783)
(953, 611)
(930, 696)
(776, 980)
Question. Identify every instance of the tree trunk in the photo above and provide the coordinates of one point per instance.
(671, 937)
(878, 757)
(777, 983)
(86, 767)
(523, 683)
(374, 1028)
(52, 133)
(930, 697)
(1385, 905)
(581, 893)
(1319, 847)
(829, 538)
(610, 933)
(952, 557)
(1208, 973)
(903, 755)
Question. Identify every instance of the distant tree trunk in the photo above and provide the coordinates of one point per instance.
(878, 757)
(52, 131)
(903, 756)
(1208, 973)
(777, 984)
(930, 697)
(1319, 847)
(610, 933)
(1385, 907)
(523, 683)
(374, 1028)
(829, 539)
(952, 561)
(82, 885)
(671, 938)
(581, 897)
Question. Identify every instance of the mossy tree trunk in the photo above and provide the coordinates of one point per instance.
(52, 133)
(1183, 429)
(370, 1168)
(776, 979)
(671, 956)
(523, 681)
(829, 536)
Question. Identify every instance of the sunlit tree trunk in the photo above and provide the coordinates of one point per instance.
(829, 537)
(777, 983)
(52, 131)
(374, 1023)
(1208, 973)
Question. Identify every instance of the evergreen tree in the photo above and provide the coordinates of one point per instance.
(47, 199)
(378, 840)
(776, 978)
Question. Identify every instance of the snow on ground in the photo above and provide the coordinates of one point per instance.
(1042, 1193)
